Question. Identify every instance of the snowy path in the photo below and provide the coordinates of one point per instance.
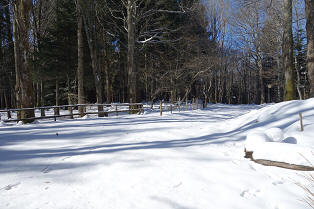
(184, 160)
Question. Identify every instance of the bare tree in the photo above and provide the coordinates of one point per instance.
(93, 35)
(25, 92)
(309, 10)
(287, 50)
(131, 12)
(248, 26)
(80, 64)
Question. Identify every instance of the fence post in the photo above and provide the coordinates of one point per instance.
(101, 112)
(186, 104)
(116, 109)
(9, 114)
(71, 112)
(196, 103)
(42, 112)
(55, 113)
(301, 121)
(179, 104)
(160, 108)
(57, 110)
(191, 105)
(171, 108)
(19, 113)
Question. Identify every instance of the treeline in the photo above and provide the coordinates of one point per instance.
(102, 51)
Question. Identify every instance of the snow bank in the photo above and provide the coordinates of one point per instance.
(254, 140)
(283, 152)
(277, 134)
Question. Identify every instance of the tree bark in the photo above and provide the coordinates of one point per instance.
(131, 9)
(80, 64)
(57, 91)
(107, 72)
(91, 29)
(42, 101)
(261, 76)
(287, 49)
(309, 11)
(24, 87)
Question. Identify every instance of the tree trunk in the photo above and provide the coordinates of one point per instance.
(57, 92)
(309, 11)
(2, 99)
(24, 85)
(80, 65)
(42, 102)
(91, 30)
(37, 94)
(287, 49)
(131, 8)
(18, 66)
(107, 73)
(6, 99)
(261, 77)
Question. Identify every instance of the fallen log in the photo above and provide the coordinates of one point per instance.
(249, 154)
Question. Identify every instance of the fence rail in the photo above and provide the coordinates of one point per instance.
(103, 110)
(111, 108)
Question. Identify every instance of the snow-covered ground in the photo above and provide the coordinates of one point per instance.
(191, 159)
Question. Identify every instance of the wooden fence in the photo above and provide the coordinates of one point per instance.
(103, 111)
(179, 106)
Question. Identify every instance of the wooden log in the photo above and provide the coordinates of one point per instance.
(284, 165)
(249, 154)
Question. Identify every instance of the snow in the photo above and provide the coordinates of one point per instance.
(188, 159)
(285, 142)
(275, 134)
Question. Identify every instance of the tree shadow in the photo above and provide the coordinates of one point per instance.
(170, 203)
(22, 134)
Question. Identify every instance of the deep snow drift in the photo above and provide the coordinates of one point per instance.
(182, 160)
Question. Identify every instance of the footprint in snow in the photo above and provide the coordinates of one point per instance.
(275, 183)
(236, 162)
(10, 186)
(252, 167)
(226, 154)
(250, 193)
(47, 169)
(66, 158)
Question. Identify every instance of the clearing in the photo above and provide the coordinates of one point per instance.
(183, 160)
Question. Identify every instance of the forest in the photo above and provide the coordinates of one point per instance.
(103, 51)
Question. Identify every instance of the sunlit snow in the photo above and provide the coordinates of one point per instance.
(189, 159)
